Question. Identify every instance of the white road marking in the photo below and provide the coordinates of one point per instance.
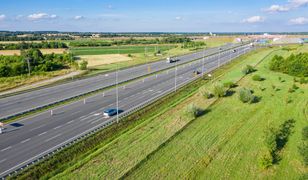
(53, 138)
(75, 113)
(1, 161)
(6, 148)
(25, 140)
(37, 127)
(70, 122)
(42, 133)
(95, 121)
(58, 127)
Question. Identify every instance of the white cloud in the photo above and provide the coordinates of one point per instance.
(179, 18)
(2, 17)
(254, 19)
(298, 3)
(40, 16)
(292, 4)
(277, 8)
(78, 17)
(299, 21)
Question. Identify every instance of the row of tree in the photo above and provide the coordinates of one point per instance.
(33, 61)
(42, 45)
(131, 41)
(295, 65)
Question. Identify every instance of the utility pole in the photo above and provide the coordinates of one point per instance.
(29, 67)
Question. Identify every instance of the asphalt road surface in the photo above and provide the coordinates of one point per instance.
(24, 102)
(30, 138)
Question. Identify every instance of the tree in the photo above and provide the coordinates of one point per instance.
(246, 96)
(219, 90)
(83, 65)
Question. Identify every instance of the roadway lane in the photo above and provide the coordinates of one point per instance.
(28, 101)
(40, 133)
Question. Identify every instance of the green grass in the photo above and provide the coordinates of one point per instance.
(226, 142)
(134, 147)
(120, 49)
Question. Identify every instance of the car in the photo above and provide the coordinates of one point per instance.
(196, 72)
(172, 60)
(234, 50)
(110, 112)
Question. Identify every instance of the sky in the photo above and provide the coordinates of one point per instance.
(154, 16)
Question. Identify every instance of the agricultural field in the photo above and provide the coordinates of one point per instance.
(98, 60)
(173, 145)
(44, 51)
(119, 50)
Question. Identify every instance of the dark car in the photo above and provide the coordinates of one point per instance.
(110, 112)
(196, 72)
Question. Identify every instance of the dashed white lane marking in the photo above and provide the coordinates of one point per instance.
(26, 140)
(75, 112)
(37, 127)
(42, 133)
(6, 148)
(53, 138)
(58, 127)
(70, 122)
(95, 121)
(1, 161)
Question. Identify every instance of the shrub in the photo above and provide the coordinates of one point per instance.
(205, 93)
(303, 81)
(295, 65)
(130, 55)
(248, 69)
(219, 90)
(83, 65)
(303, 151)
(193, 111)
(246, 96)
(257, 78)
(305, 133)
(266, 160)
(295, 87)
(229, 85)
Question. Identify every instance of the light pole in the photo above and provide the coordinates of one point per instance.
(203, 62)
(175, 74)
(117, 90)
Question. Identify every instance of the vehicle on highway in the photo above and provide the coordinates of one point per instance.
(172, 60)
(234, 50)
(110, 112)
(196, 72)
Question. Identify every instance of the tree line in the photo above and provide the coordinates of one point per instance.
(42, 45)
(295, 65)
(131, 41)
(33, 61)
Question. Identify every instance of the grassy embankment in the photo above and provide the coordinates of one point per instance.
(172, 145)
(76, 153)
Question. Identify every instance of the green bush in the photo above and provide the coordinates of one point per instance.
(303, 151)
(257, 77)
(83, 65)
(205, 93)
(266, 160)
(295, 65)
(246, 96)
(248, 69)
(219, 90)
(305, 133)
(229, 85)
(303, 81)
(193, 111)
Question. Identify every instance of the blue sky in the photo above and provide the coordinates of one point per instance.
(155, 16)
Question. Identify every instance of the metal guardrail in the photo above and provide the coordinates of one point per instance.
(101, 126)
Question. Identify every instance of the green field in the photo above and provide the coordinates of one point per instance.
(121, 49)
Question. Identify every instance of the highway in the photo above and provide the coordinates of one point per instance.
(28, 101)
(31, 138)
